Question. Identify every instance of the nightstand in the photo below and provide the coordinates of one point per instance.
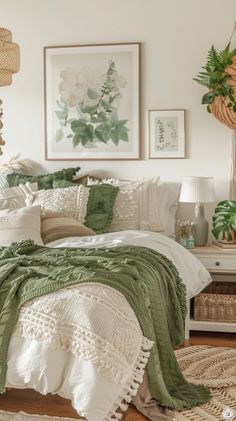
(221, 263)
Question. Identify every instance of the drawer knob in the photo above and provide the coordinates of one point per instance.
(217, 263)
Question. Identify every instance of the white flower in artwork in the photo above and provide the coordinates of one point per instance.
(91, 80)
(70, 89)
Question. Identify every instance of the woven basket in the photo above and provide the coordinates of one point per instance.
(215, 308)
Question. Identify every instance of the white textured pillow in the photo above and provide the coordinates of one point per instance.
(136, 205)
(70, 201)
(20, 224)
(16, 197)
(168, 195)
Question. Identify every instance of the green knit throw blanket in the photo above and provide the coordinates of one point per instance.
(148, 280)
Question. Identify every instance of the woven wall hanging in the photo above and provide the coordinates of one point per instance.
(9, 64)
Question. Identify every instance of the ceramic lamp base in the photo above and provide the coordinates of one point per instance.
(200, 226)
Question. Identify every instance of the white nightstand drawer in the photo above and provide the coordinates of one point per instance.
(216, 263)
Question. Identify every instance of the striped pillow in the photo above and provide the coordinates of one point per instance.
(3, 182)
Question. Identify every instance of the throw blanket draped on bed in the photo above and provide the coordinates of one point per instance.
(147, 279)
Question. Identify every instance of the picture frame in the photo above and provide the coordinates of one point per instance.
(166, 134)
(92, 101)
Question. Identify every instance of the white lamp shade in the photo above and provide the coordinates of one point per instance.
(197, 190)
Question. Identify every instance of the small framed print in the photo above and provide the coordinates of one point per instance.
(92, 108)
(167, 134)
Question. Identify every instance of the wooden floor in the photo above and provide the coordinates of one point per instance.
(32, 402)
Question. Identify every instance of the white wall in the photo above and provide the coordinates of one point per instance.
(175, 35)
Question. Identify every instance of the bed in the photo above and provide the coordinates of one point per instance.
(60, 346)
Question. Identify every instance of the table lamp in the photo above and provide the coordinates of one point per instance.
(9, 64)
(198, 190)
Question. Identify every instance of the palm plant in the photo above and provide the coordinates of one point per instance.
(224, 221)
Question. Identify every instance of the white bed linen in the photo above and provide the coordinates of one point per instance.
(35, 365)
(84, 343)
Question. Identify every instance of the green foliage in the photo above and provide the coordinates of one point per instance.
(108, 84)
(214, 78)
(109, 129)
(224, 221)
(62, 114)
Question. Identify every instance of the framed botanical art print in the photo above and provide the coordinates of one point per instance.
(92, 107)
(167, 133)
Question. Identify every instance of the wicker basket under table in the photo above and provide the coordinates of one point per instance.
(217, 306)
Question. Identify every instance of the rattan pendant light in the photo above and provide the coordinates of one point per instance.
(9, 64)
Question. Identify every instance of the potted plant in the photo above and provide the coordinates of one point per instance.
(224, 221)
(219, 76)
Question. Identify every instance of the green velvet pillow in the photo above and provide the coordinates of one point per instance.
(45, 181)
(100, 204)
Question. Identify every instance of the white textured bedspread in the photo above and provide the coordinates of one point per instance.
(84, 343)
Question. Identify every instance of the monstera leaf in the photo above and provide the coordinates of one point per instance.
(224, 221)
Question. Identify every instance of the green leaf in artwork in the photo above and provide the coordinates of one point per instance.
(101, 116)
(84, 132)
(89, 132)
(107, 106)
(89, 109)
(102, 132)
(92, 94)
(78, 126)
(115, 136)
(61, 115)
(124, 135)
(119, 131)
(59, 135)
(76, 140)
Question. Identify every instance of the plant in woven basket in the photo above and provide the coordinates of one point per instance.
(217, 79)
(224, 221)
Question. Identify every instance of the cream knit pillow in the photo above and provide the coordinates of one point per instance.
(70, 201)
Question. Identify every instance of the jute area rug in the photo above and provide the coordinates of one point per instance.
(214, 367)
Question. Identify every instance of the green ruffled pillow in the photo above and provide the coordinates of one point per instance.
(100, 204)
(45, 181)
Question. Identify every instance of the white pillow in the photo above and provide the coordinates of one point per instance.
(136, 204)
(70, 201)
(20, 224)
(16, 197)
(168, 199)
